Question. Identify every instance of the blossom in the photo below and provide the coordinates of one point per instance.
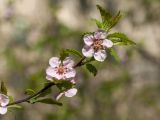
(69, 93)
(4, 100)
(96, 45)
(60, 70)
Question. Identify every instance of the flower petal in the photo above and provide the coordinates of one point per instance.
(71, 92)
(54, 61)
(3, 110)
(87, 51)
(70, 73)
(107, 43)
(88, 39)
(59, 95)
(73, 81)
(51, 72)
(68, 62)
(100, 34)
(49, 78)
(100, 55)
(4, 100)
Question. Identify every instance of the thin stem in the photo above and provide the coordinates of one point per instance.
(79, 63)
(43, 89)
(33, 95)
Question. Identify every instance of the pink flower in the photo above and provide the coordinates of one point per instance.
(4, 100)
(61, 70)
(69, 93)
(96, 45)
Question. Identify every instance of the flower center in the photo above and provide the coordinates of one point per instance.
(97, 44)
(60, 70)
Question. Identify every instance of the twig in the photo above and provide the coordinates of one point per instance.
(43, 89)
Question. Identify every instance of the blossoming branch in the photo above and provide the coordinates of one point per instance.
(61, 72)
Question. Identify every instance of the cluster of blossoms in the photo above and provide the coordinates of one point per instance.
(62, 70)
(4, 100)
(95, 46)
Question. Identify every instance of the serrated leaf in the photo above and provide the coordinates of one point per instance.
(63, 54)
(115, 20)
(120, 39)
(3, 88)
(29, 92)
(104, 13)
(114, 54)
(91, 69)
(49, 101)
(98, 23)
(74, 52)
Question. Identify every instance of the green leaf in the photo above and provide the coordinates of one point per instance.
(74, 52)
(98, 23)
(63, 54)
(120, 39)
(15, 106)
(49, 101)
(114, 54)
(11, 99)
(104, 14)
(3, 88)
(91, 69)
(64, 85)
(115, 20)
(29, 91)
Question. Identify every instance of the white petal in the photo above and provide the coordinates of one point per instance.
(3, 110)
(54, 61)
(88, 51)
(59, 95)
(51, 72)
(88, 39)
(73, 81)
(60, 76)
(107, 43)
(4, 100)
(71, 92)
(70, 73)
(68, 62)
(100, 34)
(49, 78)
(100, 55)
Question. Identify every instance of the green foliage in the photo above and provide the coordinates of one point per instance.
(48, 101)
(114, 54)
(63, 54)
(108, 20)
(74, 52)
(29, 91)
(45, 93)
(104, 14)
(10, 99)
(64, 85)
(3, 88)
(120, 39)
(92, 69)
(15, 106)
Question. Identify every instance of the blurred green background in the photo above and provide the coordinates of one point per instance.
(32, 31)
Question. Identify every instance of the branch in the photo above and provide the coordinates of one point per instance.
(43, 89)
(33, 95)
